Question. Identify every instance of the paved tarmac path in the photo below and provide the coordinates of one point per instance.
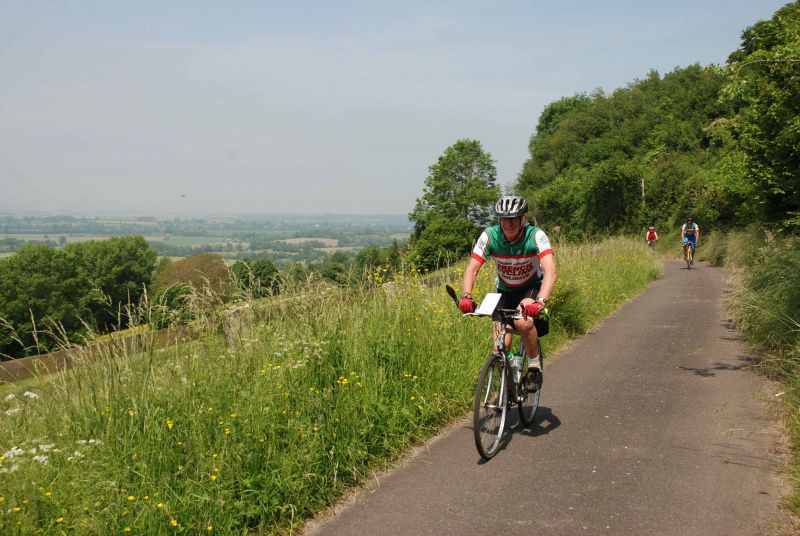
(648, 425)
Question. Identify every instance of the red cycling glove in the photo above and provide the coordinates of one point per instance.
(532, 310)
(467, 305)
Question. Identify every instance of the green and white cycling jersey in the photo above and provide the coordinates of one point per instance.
(690, 230)
(518, 262)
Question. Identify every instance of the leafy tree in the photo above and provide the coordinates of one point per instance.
(40, 288)
(118, 270)
(611, 163)
(765, 87)
(458, 197)
(257, 277)
(369, 258)
(394, 256)
(203, 271)
(443, 241)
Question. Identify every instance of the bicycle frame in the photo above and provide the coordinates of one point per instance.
(493, 393)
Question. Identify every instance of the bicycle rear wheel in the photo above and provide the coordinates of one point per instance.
(528, 407)
(490, 408)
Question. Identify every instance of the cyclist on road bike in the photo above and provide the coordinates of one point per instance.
(690, 234)
(526, 269)
(652, 236)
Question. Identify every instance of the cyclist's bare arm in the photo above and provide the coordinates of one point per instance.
(548, 263)
(470, 275)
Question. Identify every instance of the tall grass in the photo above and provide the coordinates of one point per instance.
(255, 430)
(764, 303)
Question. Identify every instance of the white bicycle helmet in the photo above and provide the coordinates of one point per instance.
(511, 206)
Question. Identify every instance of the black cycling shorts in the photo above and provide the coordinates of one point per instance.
(510, 300)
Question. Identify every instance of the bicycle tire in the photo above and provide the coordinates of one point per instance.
(529, 406)
(490, 407)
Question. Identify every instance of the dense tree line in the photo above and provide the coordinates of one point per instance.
(721, 143)
(50, 297)
(86, 285)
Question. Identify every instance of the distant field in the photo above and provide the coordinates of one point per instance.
(173, 240)
(54, 236)
(70, 237)
(338, 248)
(329, 242)
(188, 240)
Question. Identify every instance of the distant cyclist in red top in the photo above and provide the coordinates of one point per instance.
(652, 237)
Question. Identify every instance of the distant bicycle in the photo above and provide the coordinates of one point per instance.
(688, 253)
(501, 383)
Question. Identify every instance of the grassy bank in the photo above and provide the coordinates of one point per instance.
(256, 431)
(764, 303)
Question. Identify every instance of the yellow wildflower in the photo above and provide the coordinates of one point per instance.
(173, 522)
(60, 520)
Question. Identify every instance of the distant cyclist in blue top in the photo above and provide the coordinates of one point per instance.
(690, 234)
(526, 267)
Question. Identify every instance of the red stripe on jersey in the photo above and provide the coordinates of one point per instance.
(478, 258)
(545, 253)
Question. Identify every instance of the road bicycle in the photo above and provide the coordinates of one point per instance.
(688, 254)
(651, 244)
(502, 382)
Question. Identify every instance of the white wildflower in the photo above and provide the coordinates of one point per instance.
(12, 411)
(15, 451)
(81, 442)
(41, 458)
(76, 455)
(30, 394)
(11, 396)
(45, 448)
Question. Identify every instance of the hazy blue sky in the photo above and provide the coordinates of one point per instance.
(307, 106)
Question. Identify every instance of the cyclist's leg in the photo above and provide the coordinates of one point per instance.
(525, 328)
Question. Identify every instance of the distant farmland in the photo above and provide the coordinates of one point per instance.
(329, 242)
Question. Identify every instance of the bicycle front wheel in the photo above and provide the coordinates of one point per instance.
(528, 407)
(490, 409)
